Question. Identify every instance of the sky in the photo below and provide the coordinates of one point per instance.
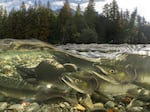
(143, 6)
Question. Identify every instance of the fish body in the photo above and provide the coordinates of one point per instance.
(21, 90)
(128, 68)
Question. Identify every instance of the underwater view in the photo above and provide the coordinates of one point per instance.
(39, 77)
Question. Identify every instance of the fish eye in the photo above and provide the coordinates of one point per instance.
(77, 80)
(112, 71)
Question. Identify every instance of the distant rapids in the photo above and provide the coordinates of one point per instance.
(105, 50)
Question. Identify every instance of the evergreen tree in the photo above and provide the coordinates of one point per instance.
(53, 29)
(78, 11)
(22, 22)
(39, 3)
(146, 31)
(35, 4)
(43, 23)
(40, 22)
(140, 35)
(4, 25)
(79, 25)
(101, 28)
(12, 23)
(131, 38)
(91, 15)
(106, 10)
(114, 11)
(111, 12)
(88, 36)
(65, 23)
(32, 28)
(1, 20)
(48, 5)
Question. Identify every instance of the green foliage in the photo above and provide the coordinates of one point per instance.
(40, 22)
(88, 36)
(90, 15)
(65, 22)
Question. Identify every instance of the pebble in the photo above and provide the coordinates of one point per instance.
(99, 105)
(62, 105)
(33, 107)
(135, 109)
(3, 105)
(16, 107)
(110, 104)
(67, 104)
(80, 107)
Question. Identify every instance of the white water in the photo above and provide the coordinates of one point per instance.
(105, 50)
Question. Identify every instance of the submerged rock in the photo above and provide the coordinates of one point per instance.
(16, 107)
(3, 106)
(33, 107)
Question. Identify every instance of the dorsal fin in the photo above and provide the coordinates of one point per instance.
(46, 71)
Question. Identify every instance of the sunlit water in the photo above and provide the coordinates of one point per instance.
(110, 51)
(30, 53)
(106, 50)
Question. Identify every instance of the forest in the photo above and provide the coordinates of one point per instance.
(113, 25)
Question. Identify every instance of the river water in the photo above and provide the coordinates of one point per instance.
(105, 50)
(10, 57)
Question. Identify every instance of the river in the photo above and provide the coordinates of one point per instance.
(105, 50)
(29, 53)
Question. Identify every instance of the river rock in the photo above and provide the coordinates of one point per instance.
(33, 107)
(16, 108)
(110, 104)
(135, 109)
(3, 105)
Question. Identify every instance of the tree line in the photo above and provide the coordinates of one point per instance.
(68, 26)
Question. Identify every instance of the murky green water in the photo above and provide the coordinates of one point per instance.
(120, 69)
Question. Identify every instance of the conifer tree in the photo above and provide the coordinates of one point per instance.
(106, 10)
(90, 14)
(22, 22)
(65, 22)
(40, 22)
(141, 38)
(12, 23)
(79, 20)
(79, 24)
(1, 19)
(111, 12)
(101, 28)
(4, 25)
(78, 11)
(48, 5)
(114, 11)
(43, 23)
(132, 29)
(35, 4)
